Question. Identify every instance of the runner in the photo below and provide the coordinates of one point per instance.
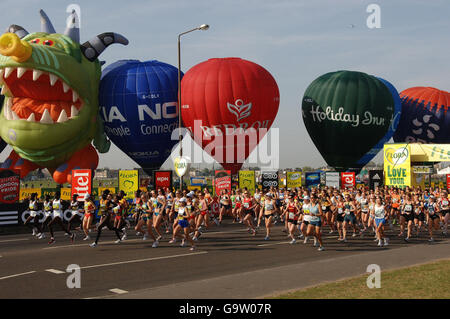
(248, 205)
(77, 212)
(105, 214)
(57, 218)
(380, 221)
(292, 212)
(89, 215)
(433, 217)
(444, 210)
(315, 223)
(406, 217)
(225, 206)
(34, 215)
(183, 224)
(419, 214)
(269, 213)
(47, 215)
(349, 218)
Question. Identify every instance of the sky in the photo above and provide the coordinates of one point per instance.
(295, 40)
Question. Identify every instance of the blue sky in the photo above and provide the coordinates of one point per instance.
(296, 41)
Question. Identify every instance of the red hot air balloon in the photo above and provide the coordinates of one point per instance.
(231, 97)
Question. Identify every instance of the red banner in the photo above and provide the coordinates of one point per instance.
(163, 179)
(222, 180)
(9, 185)
(448, 181)
(81, 182)
(348, 179)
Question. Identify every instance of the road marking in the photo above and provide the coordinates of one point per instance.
(279, 243)
(17, 275)
(10, 240)
(142, 260)
(118, 291)
(87, 244)
(55, 271)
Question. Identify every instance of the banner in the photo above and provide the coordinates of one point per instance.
(429, 152)
(48, 191)
(163, 179)
(448, 182)
(375, 178)
(293, 179)
(66, 193)
(397, 165)
(129, 182)
(332, 179)
(9, 185)
(247, 180)
(312, 179)
(25, 193)
(222, 180)
(269, 179)
(198, 181)
(348, 179)
(422, 169)
(81, 182)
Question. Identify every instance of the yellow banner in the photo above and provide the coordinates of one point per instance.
(247, 180)
(397, 165)
(66, 193)
(430, 152)
(129, 182)
(293, 179)
(194, 188)
(26, 192)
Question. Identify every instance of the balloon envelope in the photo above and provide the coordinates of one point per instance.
(230, 96)
(138, 102)
(425, 117)
(346, 114)
(2, 142)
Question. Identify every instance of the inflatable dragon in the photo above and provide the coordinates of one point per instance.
(50, 115)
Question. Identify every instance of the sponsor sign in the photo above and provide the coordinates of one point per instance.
(448, 181)
(129, 182)
(376, 178)
(293, 179)
(247, 180)
(66, 193)
(397, 165)
(10, 217)
(9, 185)
(181, 165)
(332, 179)
(269, 179)
(348, 179)
(25, 193)
(441, 185)
(198, 181)
(222, 180)
(422, 169)
(81, 182)
(163, 179)
(312, 179)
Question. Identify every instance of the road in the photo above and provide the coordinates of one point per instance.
(30, 268)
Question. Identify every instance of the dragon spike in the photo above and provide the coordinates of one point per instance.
(46, 25)
(17, 29)
(95, 46)
(73, 29)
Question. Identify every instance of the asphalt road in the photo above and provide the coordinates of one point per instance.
(30, 268)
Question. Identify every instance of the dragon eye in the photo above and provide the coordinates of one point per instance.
(48, 42)
(35, 41)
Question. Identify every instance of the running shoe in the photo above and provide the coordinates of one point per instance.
(72, 237)
(331, 232)
(194, 238)
(192, 248)
(66, 234)
(172, 241)
(300, 236)
(386, 241)
(315, 242)
(321, 248)
(380, 244)
(143, 238)
(93, 245)
(124, 237)
(266, 238)
(293, 241)
(183, 243)
(155, 244)
(159, 238)
(138, 233)
(344, 240)
(34, 232)
(431, 240)
(38, 235)
(354, 235)
(42, 236)
(87, 237)
(407, 239)
(216, 221)
(306, 240)
(118, 241)
(51, 241)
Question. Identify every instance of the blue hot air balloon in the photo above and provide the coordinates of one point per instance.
(366, 158)
(138, 102)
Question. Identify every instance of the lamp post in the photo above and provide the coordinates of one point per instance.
(203, 27)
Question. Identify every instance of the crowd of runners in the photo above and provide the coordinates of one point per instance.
(185, 215)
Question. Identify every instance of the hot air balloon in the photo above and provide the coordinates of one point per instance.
(2, 142)
(346, 114)
(230, 96)
(425, 117)
(139, 106)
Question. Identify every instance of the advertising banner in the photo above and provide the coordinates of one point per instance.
(293, 179)
(9, 185)
(66, 193)
(332, 179)
(397, 165)
(222, 180)
(198, 181)
(247, 180)
(312, 179)
(348, 179)
(163, 179)
(448, 181)
(376, 178)
(25, 193)
(422, 169)
(129, 182)
(112, 190)
(269, 179)
(81, 182)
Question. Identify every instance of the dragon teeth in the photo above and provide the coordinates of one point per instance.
(9, 102)
(7, 112)
(65, 87)
(53, 79)
(20, 72)
(36, 74)
(31, 118)
(46, 118)
(8, 71)
(1, 73)
(73, 111)
(74, 96)
(5, 90)
(15, 116)
(62, 117)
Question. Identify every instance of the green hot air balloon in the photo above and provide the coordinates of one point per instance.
(346, 113)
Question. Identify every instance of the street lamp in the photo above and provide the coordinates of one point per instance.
(203, 27)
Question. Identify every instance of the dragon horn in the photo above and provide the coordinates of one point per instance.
(95, 46)
(46, 25)
(17, 29)
(72, 29)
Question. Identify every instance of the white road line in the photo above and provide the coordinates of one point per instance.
(142, 260)
(279, 243)
(10, 240)
(87, 243)
(17, 275)
(118, 291)
(55, 271)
